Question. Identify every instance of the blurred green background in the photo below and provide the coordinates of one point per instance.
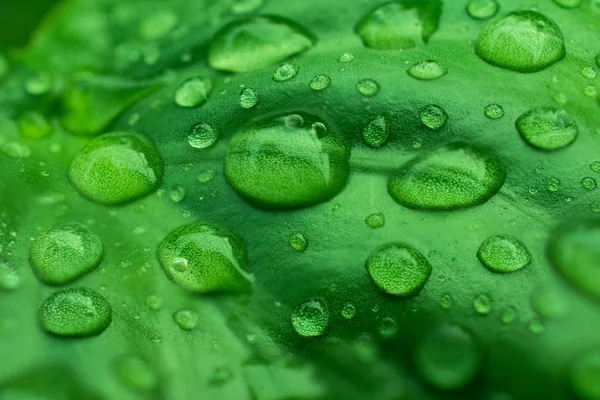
(18, 19)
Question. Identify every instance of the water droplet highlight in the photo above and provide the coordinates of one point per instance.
(376, 134)
(368, 87)
(285, 72)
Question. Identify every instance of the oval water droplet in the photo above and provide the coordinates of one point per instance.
(547, 128)
(503, 254)
(448, 357)
(574, 251)
(279, 163)
(375, 220)
(433, 116)
(508, 315)
(64, 253)
(215, 258)
(76, 312)
(398, 269)
(116, 168)
(482, 9)
(320, 82)
(202, 136)
(193, 92)
(589, 183)
(248, 98)
(427, 70)
(584, 376)
(285, 72)
(452, 176)
(494, 111)
(568, 4)
(368, 87)
(311, 318)
(376, 134)
(482, 304)
(348, 310)
(256, 42)
(186, 319)
(298, 241)
(400, 25)
(522, 41)
(346, 58)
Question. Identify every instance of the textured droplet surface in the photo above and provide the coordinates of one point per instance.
(547, 128)
(400, 24)
(493, 111)
(574, 251)
(452, 176)
(9, 277)
(398, 269)
(193, 92)
(75, 312)
(257, 42)
(375, 220)
(65, 252)
(287, 162)
(523, 41)
(376, 133)
(202, 135)
(116, 168)
(319, 82)
(584, 376)
(285, 72)
(185, 319)
(501, 253)
(427, 70)
(368, 87)
(433, 116)
(202, 257)
(298, 241)
(448, 357)
(482, 304)
(483, 9)
(248, 98)
(311, 318)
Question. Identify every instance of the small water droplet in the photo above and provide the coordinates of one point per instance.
(590, 91)
(310, 318)
(446, 301)
(202, 135)
(298, 241)
(536, 327)
(588, 72)
(482, 304)
(177, 193)
(387, 326)
(319, 82)
(494, 111)
(433, 116)
(375, 220)
(346, 58)
(553, 184)
(206, 175)
(348, 310)
(589, 183)
(503, 254)
(154, 302)
(39, 84)
(427, 70)
(248, 98)
(368, 87)
(186, 319)
(285, 72)
(193, 92)
(376, 134)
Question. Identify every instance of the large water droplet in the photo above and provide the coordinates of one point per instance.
(448, 357)
(482, 304)
(376, 134)
(75, 312)
(584, 376)
(427, 70)
(547, 128)
(286, 162)
(482, 9)
(193, 92)
(574, 251)
(215, 259)
(398, 269)
(65, 252)
(257, 42)
(116, 168)
(310, 318)
(433, 116)
(523, 41)
(202, 135)
(452, 176)
(503, 254)
(400, 24)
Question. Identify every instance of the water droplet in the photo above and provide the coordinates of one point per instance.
(376, 134)
(186, 319)
(427, 70)
(368, 87)
(202, 135)
(248, 98)
(446, 302)
(34, 125)
(193, 92)
(536, 327)
(285, 71)
(346, 58)
(9, 278)
(452, 176)
(257, 42)
(310, 318)
(482, 304)
(179, 264)
(15, 150)
(547, 302)
(553, 184)
(584, 376)
(177, 193)
(215, 258)
(298, 241)
(433, 116)
(400, 25)
(387, 326)
(246, 6)
(567, 3)
(508, 315)
(494, 111)
(375, 220)
(206, 175)
(590, 91)
(64, 253)
(448, 357)
(547, 128)
(276, 163)
(574, 252)
(116, 168)
(398, 269)
(503, 254)
(523, 41)
(348, 310)
(595, 206)
(595, 166)
(482, 9)
(75, 312)
(589, 183)
(39, 84)
(135, 372)
(320, 82)
(588, 72)
(4, 67)
(154, 302)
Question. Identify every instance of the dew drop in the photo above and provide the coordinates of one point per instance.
(398, 269)
(589, 183)
(193, 92)
(76, 312)
(494, 111)
(215, 259)
(588, 72)
(346, 58)
(387, 326)
(567, 3)
(536, 327)
(547, 128)
(368, 87)
(64, 253)
(206, 175)
(348, 310)
(376, 134)
(553, 184)
(202, 135)
(482, 9)
(34, 125)
(310, 318)
(375, 220)
(154, 302)
(522, 41)
(482, 304)
(503, 254)
(508, 315)
(433, 116)
(185, 319)
(285, 72)
(298, 241)
(320, 82)
(427, 70)
(446, 301)
(248, 98)
(177, 193)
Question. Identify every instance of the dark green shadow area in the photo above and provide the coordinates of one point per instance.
(18, 19)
